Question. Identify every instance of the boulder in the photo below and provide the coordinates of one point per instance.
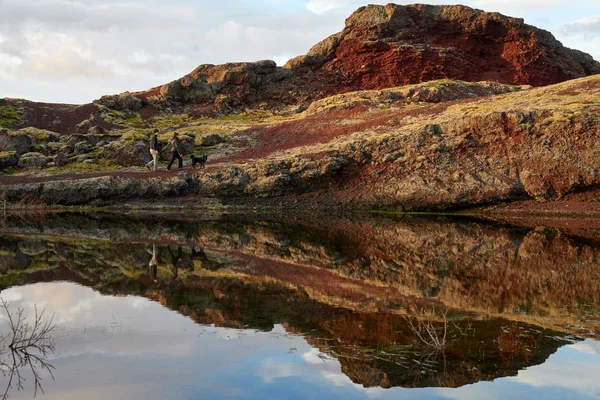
(60, 160)
(40, 136)
(8, 159)
(127, 154)
(67, 149)
(15, 141)
(83, 147)
(186, 146)
(33, 160)
(211, 139)
(123, 102)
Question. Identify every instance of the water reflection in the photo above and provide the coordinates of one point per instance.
(351, 306)
(25, 345)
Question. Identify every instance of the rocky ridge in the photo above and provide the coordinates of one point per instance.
(379, 47)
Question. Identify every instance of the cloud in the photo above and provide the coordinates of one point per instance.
(586, 25)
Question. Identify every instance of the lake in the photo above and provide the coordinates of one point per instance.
(298, 306)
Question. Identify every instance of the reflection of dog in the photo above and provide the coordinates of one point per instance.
(198, 160)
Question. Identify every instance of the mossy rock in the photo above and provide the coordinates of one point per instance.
(8, 159)
(210, 140)
(10, 117)
(39, 135)
(33, 160)
(20, 143)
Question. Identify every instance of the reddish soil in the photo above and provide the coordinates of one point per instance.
(62, 118)
(262, 141)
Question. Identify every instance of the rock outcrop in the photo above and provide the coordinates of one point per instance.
(393, 45)
(387, 46)
(379, 47)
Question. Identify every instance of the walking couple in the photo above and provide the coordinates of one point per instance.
(155, 151)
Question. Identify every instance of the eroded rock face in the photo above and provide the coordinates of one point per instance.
(106, 189)
(384, 46)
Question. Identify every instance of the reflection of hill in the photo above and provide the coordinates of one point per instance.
(325, 284)
(538, 275)
(344, 282)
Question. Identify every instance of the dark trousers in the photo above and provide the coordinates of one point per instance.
(173, 157)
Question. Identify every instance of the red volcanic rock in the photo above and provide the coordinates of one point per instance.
(387, 46)
(393, 45)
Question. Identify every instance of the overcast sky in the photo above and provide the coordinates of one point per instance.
(78, 50)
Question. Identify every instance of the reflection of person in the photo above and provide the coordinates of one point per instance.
(199, 254)
(153, 264)
(175, 260)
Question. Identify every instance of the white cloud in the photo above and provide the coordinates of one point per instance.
(585, 25)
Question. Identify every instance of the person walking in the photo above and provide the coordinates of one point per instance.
(154, 150)
(153, 264)
(175, 261)
(176, 152)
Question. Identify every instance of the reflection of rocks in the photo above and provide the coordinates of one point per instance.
(371, 264)
(374, 349)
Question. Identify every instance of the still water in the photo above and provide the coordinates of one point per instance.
(301, 307)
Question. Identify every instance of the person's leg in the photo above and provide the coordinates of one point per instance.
(173, 156)
(155, 156)
(180, 161)
(150, 163)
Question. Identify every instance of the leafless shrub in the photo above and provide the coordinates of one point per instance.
(430, 333)
(26, 346)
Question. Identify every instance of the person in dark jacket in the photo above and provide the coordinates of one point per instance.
(154, 150)
(176, 151)
(175, 261)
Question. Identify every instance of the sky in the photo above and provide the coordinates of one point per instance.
(74, 51)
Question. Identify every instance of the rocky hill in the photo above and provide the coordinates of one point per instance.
(338, 127)
(380, 47)
(387, 46)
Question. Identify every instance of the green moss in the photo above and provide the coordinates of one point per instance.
(121, 118)
(10, 117)
(135, 135)
(171, 120)
(6, 154)
(8, 280)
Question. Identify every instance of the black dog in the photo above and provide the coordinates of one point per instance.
(198, 160)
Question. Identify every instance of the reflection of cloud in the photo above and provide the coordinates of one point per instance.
(271, 370)
(587, 346)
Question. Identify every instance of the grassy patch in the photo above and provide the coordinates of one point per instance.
(10, 117)
(121, 118)
(135, 135)
(171, 120)
(40, 135)
(6, 154)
